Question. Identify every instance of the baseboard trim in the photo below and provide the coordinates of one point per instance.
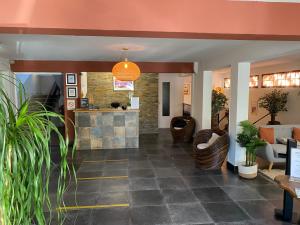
(232, 168)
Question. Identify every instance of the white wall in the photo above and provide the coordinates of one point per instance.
(290, 117)
(176, 97)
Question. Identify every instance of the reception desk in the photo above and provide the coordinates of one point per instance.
(107, 128)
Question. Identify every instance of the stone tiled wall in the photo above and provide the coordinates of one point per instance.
(107, 130)
(100, 86)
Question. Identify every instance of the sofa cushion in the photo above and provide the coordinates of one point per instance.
(279, 149)
(267, 134)
(282, 140)
(296, 133)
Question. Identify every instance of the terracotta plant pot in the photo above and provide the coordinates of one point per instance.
(247, 172)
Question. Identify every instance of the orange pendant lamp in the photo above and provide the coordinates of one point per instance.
(126, 70)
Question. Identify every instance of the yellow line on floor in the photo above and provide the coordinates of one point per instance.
(107, 160)
(91, 207)
(101, 178)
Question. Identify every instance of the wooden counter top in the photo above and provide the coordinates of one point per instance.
(106, 110)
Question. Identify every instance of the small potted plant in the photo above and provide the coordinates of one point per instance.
(274, 102)
(249, 140)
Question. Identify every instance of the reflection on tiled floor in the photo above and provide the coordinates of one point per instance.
(158, 184)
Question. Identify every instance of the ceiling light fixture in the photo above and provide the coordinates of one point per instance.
(126, 70)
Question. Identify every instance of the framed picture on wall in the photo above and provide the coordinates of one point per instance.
(123, 85)
(72, 92)
(71, 104)
(71, 79)
(187, 89)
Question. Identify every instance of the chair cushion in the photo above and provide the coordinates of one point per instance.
(179, 123)
(296, 133)
(202, 146)
(278, 149)
(178, 128)
(213, 138)
(267, 134)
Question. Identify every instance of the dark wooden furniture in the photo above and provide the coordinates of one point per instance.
(186, 131)
(213, 156)
(288, 186)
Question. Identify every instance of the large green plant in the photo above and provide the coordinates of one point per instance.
(274, 102)
(25, 160)
(249, 139)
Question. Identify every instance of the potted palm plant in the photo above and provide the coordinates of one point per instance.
(25, 159)
(219, 101)
(249, 140)
(274, 102)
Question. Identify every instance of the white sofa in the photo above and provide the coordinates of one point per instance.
(274, 153)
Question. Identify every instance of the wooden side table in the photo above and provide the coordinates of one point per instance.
(288, 186)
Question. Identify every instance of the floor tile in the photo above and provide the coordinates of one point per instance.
(119, 185)
(225, 212)
(143, 184)
(171, 183)
(211, 194)
(111, 216)
(270, 191)
(258, 209)
(242, 193)
(188, 214)
(179, 196)
(143, 198)
(200, 181)
(141, 173)
(150, 215)
(228, 180)
(166, 172)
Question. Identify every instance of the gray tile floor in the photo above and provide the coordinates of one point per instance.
(161, 186)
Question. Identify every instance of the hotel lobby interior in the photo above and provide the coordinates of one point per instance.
(149, 113)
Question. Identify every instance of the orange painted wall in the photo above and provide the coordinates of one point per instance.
(176, 18)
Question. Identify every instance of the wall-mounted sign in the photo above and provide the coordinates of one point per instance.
(71, 104)
(72, 92)
(123, 85)
(71, 79)
(187, 89)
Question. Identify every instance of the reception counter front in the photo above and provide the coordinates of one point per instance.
(107, 128)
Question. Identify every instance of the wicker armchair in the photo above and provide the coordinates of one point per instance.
(185, 132)
(213, 156)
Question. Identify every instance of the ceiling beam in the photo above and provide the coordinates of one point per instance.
(97, 66)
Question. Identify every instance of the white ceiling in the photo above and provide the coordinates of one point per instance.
(54, 47)
(93, 48)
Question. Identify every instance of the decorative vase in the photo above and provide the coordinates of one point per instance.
(247, 172)
(273, 120)
(115, 104)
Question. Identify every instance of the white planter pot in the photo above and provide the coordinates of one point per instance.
(247, 172)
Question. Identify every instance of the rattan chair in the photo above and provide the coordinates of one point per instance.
(185, 132)
(214, 155)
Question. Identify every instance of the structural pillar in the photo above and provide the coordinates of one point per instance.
(8, 84)
(201, 97)
(238, 111)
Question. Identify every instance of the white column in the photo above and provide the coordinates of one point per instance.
(201, 98)
(238, 111)
(8, 83)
